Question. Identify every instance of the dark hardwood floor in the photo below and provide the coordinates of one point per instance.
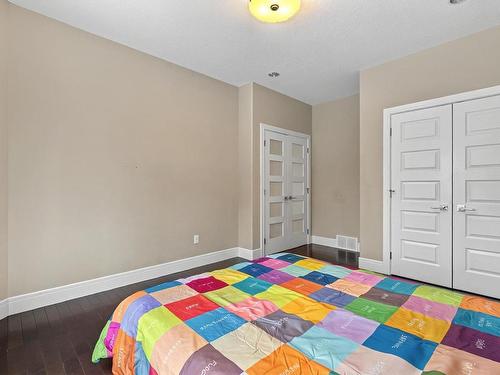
(59, 339)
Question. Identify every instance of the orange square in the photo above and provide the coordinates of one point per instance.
(479, 304)
(308, 309)
(349, 287)
(286, 360)
(419, 325)
(123, 358)
(301, 286)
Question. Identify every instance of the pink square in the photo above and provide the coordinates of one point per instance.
(275, 264)
(363, 278)
(430, 308)
(206, 284)
(252, 308)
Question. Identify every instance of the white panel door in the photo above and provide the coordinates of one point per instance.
(421, 180)
(285, 191)
(476, 143)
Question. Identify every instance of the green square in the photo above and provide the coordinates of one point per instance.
(439, 295)
(153, 325)
(295, 271)
(226, 296)
(379, 312)
(279, 296)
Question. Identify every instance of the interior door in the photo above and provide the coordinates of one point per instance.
(285, 191)
(421, 180)
(476, 251)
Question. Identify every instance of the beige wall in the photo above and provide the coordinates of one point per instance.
(335, 168)
(3, 149)
(272, 108)
(462, 65)
(115, 158)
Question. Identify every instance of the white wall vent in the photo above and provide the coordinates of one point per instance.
(347, 243)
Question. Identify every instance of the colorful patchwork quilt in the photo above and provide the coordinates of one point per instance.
(287, 314)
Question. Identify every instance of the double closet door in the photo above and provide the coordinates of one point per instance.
(445, 206)
(286, 191)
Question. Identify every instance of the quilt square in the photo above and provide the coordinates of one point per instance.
(275, 264)
(261, 259)
(397, 286)
(308, 309)
(430, 308)
(239, 266)
(367, 361)
(301, 286)
(226, 296)
(448, 360)
(472, 341)
(173, 294)
(324, 347)
(283, 326)
(229, 276)
(439, 295)
(364, 278)
(337, 271)
(246, 345)
(135, 311)
(287, 361)
(174, 348)
(295, 270)
(278, 295)
(332, 297)
(412, 349)
(276, 277)
(351, 326)
(123, 306)
(252, 308)
(290, 258)
(209, 360)
(206, 284)
(168, 284)
(255, 269)
(384, 296)
(379, 312)
(154, 325)
(215, 323)
(310, 264)
(349, 287)
(190, 307)
(320, 278)
(419, 325)
(480, 304)
(253, 286)
(476, 320)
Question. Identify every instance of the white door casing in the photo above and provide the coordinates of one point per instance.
(285, 187)
(421, 209)
(476, 191)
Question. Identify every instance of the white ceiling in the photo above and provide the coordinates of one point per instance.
(318, 53)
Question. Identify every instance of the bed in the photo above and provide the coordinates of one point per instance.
(287, 314)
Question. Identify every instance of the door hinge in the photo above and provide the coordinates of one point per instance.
(264, 143)
(265, 241)
(264, 191)
(391, 192)
(390, 255)
(307, 231)
(308, 190)
(308, 150)
(390, 132)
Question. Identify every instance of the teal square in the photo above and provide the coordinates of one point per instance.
(295, 270)
(253, 286)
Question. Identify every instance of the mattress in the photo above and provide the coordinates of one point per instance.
(287, 314)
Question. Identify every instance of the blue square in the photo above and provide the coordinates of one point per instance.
(239, 266)
(253, 286)
(168, 284)
(215, 323)
(320, 278)
(332, 297)
(324, 347)
(135, 311)
(479, 321)
(255, 269)
(290, 258)
(411, 348)
(336, 271)
(397, 286)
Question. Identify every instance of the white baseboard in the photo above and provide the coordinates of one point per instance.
(31, 301)
(374, 265)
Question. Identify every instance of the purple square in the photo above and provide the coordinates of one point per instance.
(351, 326)
(283, 326)
(332, 297)
(260, 260)
(276, 277)
(209, 360)
(135, 311)
(472, 341)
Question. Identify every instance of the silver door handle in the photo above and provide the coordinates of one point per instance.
(442, 207)
(463, 208)
(286, 198)
(290, 198)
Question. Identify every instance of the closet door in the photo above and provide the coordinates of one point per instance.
(421, 178)
(476, 143)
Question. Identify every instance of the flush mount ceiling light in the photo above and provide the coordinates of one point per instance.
(273, 11)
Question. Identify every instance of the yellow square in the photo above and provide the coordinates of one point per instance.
(419, 325)
(229, 276)
(308, 309)
(310, 264)
(226, 296)
(278, 295)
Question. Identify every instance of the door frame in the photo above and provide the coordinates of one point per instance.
(384, 266)
(263, 128)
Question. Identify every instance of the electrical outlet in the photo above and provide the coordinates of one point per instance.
(196, 239)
